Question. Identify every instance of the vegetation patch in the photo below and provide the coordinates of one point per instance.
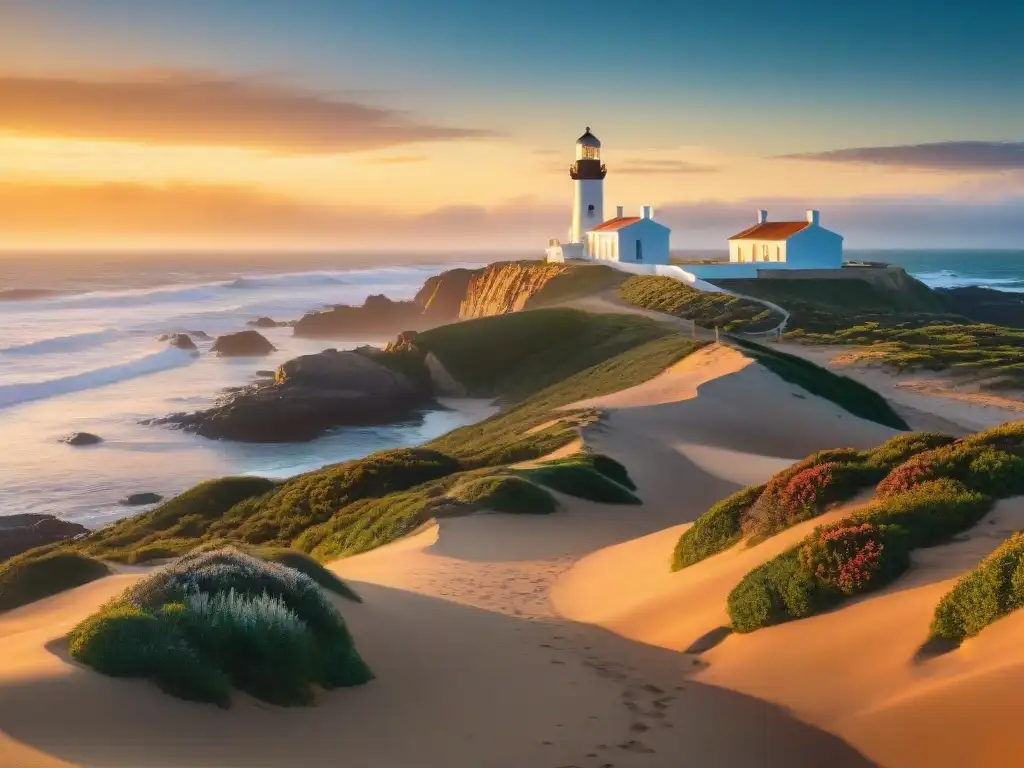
(218, 620)
(853, 397)
(799, 492)
(303, 563)
(576, 282)
(25, 579)
(581, 475)
(872, 547)
(505, 493)
(907, 327)
(707, 309)
(992, 590)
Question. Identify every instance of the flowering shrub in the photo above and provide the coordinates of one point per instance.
(845, 556)
(906, 476)
(220, 618)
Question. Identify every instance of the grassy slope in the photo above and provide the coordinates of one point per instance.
(577, 281)
(709, 310)
(909, 328)
(30, 577)
(536, 361)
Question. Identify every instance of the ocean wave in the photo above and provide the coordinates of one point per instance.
(71, 343)
(14, 394)
(948, 278)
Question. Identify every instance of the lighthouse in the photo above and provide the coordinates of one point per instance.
(588, 175)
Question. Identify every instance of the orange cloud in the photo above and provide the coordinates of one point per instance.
(186, 107)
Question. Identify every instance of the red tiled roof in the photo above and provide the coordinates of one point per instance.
(771, 230)
(613, 224)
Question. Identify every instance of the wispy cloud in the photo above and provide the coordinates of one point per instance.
(941, 156)
(664, 166)
(192, 107)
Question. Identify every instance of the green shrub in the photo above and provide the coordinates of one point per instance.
(303, 563)
(215, 619)
(852, 557)
(989, 592)
(784, 588)
(708, 309)
(31, 577)
(506, 493)
(715, 530)
(577, 476)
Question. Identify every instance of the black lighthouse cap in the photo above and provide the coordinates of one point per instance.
(588, 139)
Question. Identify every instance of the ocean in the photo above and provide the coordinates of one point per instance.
(79, 352)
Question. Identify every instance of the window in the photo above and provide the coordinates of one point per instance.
(590, 211)
(778, 252)
(764, 253)
(639, 251)
(591, 153)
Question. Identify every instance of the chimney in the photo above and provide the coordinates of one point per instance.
(762, 216)
(646, 212)
(618, 212)
(813, 217)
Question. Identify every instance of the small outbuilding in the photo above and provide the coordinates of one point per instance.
(629, 239)
(788, 244)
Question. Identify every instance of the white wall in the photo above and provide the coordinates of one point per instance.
(653, 239)
(744, 251)
(586, 192)
(815, 248)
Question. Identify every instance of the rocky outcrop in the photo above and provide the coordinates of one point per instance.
(506, 287)
(20, 533)
(436, 303)
(242, 344)
(181, 341)
(309, 395)
(267, 322)
(82, 438)
(139, 499)
(986, 305)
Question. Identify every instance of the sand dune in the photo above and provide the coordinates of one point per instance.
(477, 668)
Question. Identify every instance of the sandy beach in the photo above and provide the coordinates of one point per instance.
(559, 641)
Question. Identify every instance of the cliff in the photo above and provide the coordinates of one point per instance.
(457, 294)
(506, 287)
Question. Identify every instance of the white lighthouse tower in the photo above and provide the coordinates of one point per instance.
(588, 197)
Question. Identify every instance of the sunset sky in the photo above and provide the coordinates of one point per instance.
(407, 124)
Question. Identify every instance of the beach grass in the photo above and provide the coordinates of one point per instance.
(33, 576)
(217, 620)
(707, 309)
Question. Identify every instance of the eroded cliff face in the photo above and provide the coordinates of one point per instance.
(504, 288)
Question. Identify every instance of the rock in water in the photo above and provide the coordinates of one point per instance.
(243, 344)
(309, 395)
(19, 533)
(82, 438)
(138, 499)
(264, 322)
(181, 341)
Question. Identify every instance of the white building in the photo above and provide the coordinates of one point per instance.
(787, 244)
(629, 239)
(636, 239)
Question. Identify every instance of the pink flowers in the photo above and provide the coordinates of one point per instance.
(845, 556)
(906, 476)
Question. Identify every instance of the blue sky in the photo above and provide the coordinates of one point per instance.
(856, 87)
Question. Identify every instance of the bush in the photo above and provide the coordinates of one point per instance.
(989, 592)
(303, 563)
(715, 530)
(853, 557)
(26, 579)
(220, 617)
(786, 588)
(577, 476)
(506, 493)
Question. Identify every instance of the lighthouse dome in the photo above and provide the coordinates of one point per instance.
(588, 139)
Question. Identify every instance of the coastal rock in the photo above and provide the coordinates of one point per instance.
(138, 499)
(182, 341)
(505, 287)
(985, 305)
(19, 533)
(264, 322)
(82, 438)
(436, 303)
(200, 335)
(309, 395)
(242, 344)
